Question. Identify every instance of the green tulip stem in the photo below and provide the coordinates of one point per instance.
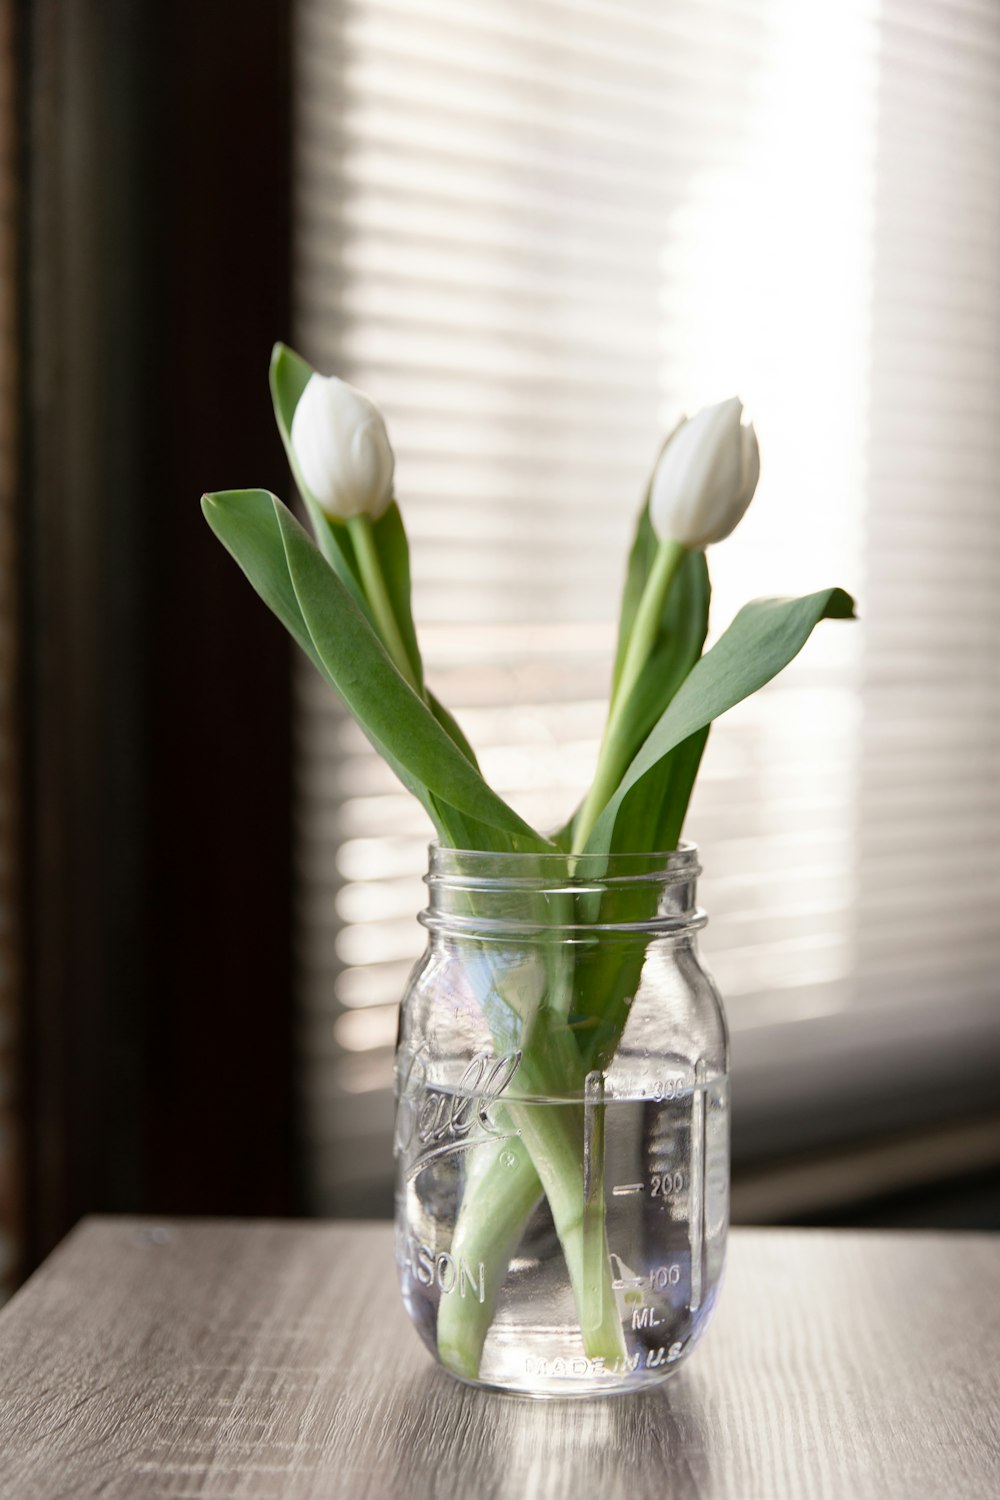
(373, 581)
(612, 762)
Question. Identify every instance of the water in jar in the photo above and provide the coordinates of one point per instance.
(664, 1164)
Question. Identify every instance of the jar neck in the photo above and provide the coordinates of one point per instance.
(489, 893)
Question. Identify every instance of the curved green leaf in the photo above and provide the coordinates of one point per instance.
(763, 638)
(279, 556)
(681, 638)
(453, 729)
(245, 524)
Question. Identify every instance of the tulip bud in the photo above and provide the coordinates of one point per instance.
(705, 478)
(342, 449)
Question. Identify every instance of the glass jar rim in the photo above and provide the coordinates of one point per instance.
(491, 881)
(544, 866)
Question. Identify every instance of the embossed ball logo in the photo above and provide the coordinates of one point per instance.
(434, 1121)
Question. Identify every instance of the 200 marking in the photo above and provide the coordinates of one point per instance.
(664, 1184)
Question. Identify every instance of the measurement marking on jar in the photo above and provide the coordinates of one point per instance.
(664, 1184)
(624, 1189)
(645, 1317)
(658, 1279)
(659, 1090)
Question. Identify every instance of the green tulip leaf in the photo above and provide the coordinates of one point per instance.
(291, 575)
(679, 644)
(244, 522)
(452, 728)
(652, 816)
(761, 641)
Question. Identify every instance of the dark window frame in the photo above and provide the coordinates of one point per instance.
(156, 228)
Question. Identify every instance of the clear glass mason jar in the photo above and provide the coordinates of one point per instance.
(562, 1122)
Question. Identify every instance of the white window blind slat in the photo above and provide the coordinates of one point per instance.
(534, 232)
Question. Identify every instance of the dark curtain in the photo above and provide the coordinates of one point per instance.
(155, 274)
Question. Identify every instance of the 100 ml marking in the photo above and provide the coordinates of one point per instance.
(658, 1280)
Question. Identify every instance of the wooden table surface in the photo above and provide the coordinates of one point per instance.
(274, 1361)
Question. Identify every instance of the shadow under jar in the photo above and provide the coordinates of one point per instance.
(562, 1122)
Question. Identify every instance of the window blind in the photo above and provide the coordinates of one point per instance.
(535, 233)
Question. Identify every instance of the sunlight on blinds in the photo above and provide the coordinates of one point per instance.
(536, 232)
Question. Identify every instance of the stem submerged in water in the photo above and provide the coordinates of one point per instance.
(498, 1202)
(501, 1191)
(558, 1150)
(555, 1144)
(552, 1144)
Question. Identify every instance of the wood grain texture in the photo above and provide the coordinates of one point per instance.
(273, 1361)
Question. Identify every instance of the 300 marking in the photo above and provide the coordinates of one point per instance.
(639, 1086)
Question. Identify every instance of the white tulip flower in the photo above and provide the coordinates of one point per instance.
(342, 449)
(705, 478)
